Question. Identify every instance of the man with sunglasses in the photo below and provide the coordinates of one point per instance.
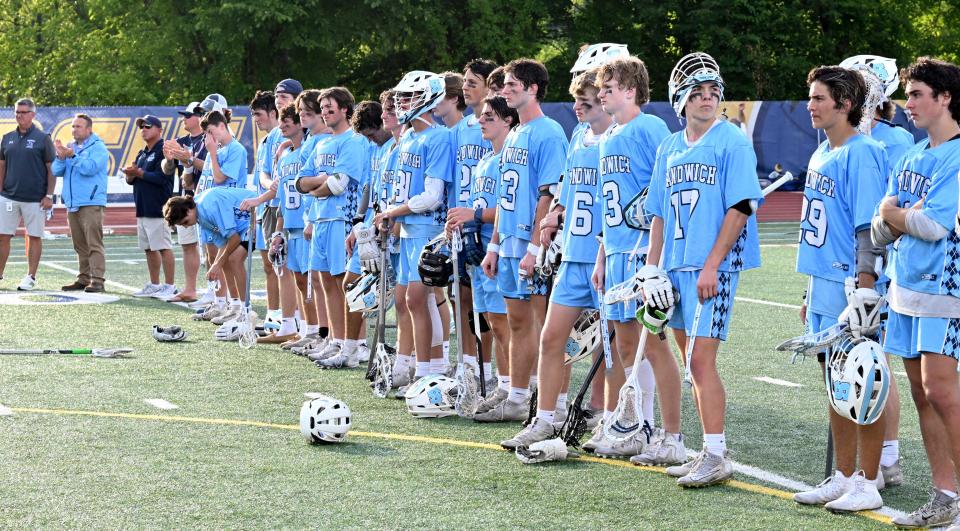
(151, 189)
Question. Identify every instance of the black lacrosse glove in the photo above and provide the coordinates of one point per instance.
(474, 249)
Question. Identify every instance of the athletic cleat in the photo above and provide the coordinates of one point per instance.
(631, 446)
(711, 469)
(317, 344)
(210, 313)
(940, 510)
(892, 475)
(593, 420)
(663, 450)
(401, 392)
(598, 438)
(402, 377)
(827, 491)
(300, 342)
(331, 349)
(505, 411)
(147, 291)
(339, 361)
(363, 353)
(861, 496)
(166, 291)
(229, 315)
(536, 431)
(27, 284)
(271, 323)
(207, 299)
(495, 397)
(559, 417)
(679, 471)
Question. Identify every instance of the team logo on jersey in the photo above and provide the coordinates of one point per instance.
(471, 152)
(913, 183)
(326, 159)
(821, 183)
(240, 214)
(410, 159)
(841, 266)
(515, 155)
(692, 172)
(928, 276)
(585, 176)
(615, 164)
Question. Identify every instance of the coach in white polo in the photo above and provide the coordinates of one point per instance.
(26, 187)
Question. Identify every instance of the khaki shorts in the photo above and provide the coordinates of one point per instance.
(11, 212)
(188, 235)
(153, 234)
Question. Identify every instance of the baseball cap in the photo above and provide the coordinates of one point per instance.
(289, 86)
(214, 102)
(193, 109)
(149, 120)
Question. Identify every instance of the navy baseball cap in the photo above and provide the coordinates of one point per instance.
(149, 120)
(289, 86)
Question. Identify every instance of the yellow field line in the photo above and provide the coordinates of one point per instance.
(749, 487)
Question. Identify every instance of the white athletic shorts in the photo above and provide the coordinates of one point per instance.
(153, 234)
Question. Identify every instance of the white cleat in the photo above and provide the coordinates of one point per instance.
(861, 496)
(827, 491)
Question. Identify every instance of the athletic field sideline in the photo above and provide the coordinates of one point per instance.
(83, 448)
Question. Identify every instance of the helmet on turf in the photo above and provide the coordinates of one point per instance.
(363, 294)
(858, 380)
(884, 68)
(584, 337)
(418, 92)
(430, 397)
(435, 268)
(692, 70)
(324, 419)
(596, 55)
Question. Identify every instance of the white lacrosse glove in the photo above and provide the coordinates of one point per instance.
(548, 261)
(367, 247)
(657, 288)
(880, 233)
(862, 314)
(543, 451)
(169, 333)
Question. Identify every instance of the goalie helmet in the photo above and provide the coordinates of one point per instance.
(884, 68)
(584, 338)
(430, 397)
(596, 55)
(363, 294)
(858, 380)
(418, 92)
(692, 70)
(324, 419)
(435, 268)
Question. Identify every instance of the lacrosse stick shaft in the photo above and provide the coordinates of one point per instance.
(691, 340)
(477, 334)
(772, 187)
(575, 408)
(458, 321)
(248, 337)
(828, 467)
(605, 334)
(379, 334)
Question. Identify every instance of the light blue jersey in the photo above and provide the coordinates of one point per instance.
(843, 187)
(627, 155)
(345, 154)
(582, 215)
(380, 178)
(895, 140)
(424, 154)
(266, 160)
(306, 150)
(219, 214)
(292, 204)
(233, 163)
(692, 188)
(533, 157)
(929, 174)
(470, 148)
(485, 191)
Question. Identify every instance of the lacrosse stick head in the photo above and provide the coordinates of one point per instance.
(383, 376)
(467, 399)
(627, 290)
(576, 425)
(111, 352)
(813, 344)
(627, 419)
(248, 330)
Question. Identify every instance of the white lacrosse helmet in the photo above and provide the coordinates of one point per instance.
(430, 397)
(584, 338)
(419, 91)
(883, 67)
(324, 419)
(363, 294)
(691, 70)
(858, 380)
(597, 55)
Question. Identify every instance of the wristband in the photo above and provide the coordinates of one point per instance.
(493, 248)
(533, 249)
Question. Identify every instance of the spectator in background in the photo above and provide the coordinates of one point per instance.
(26, 187)
(83, 165)
(184, 156)
(151, 189)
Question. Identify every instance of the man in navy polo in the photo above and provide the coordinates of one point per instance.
(26, 187)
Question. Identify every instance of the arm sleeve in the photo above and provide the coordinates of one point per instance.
(430, 198)
(59, 167)
(940, 203)
(152, 172)
(922, 226)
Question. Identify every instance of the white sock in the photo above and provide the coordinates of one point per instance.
(471, 361)
(545, 415)
(648, 390)
(403, 362)
(436, 365)
(446, 350)
(296, 315)
(288, 325)
(890, 453)
(235, 303)
(716, 443)
(948, 493)
(313, 329)
(561, 402)
(487, 369)
(607, 416)
(423, 368)
(349, 347)
(165, 286)
(503, 382)
(533, 381)
(221, 301)
(518, 394)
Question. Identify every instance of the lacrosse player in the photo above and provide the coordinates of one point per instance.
(419, 205)
(266, 117)
(920, 211)
(332, 174)
(843, 186)
(279, 241)
(572, 293)
(531, 165)
(703, 194)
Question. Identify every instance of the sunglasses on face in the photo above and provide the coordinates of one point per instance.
(146, 127)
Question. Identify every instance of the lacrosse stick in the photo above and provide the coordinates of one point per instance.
(691, 340)
(605, 334)
(575, 426)
(466, 401)
(85, 352)
(475, 326)
(248, 325)
(811, 344)
(380, 368)
(784, 179)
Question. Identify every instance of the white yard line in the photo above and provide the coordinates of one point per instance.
(124, 287)
(776, 381)
(768, 303)
(5, 411)
(160, 403)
